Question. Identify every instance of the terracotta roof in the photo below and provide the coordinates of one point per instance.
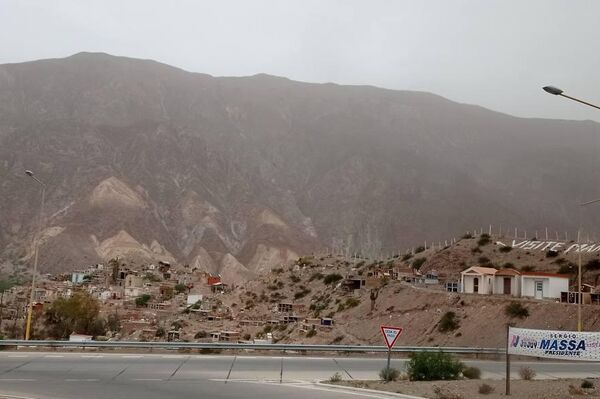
(544, 274)
(507, 272)
(480, 270)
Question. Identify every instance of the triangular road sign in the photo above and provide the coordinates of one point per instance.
(390, 334)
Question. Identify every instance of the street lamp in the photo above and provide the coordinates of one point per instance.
(579, 294)
(36, 251)
(558, 92)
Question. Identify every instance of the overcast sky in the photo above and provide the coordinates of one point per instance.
(494, 53)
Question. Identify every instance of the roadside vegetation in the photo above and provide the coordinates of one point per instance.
(432, 366)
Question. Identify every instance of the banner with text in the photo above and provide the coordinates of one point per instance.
(566, 345)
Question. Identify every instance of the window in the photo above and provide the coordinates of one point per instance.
(452, 286)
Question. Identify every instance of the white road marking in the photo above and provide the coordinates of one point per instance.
(146, 379)
(91, 356)
(54, 356)
(17, 356)
(81, 379)
(17, 379)
(132, 356)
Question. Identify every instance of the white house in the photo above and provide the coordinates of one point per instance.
(192, 299)
(542, 285)
(539, 285)
(478, 280)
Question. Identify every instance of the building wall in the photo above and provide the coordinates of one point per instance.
(552, 286)
(558, 285)
(485, 284)
(528, 285)
(499, 285)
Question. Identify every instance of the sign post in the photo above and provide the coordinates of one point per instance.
(507, 360)
(390, 335)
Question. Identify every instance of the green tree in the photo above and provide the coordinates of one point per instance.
(179, 288)
(77, 314)
(142, 300)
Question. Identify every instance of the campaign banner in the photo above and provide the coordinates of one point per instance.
(565, 345)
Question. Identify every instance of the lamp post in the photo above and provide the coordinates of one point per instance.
(558, 92)
(36, 251)
(579, 294)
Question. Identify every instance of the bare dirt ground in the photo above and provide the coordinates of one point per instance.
(465, 389)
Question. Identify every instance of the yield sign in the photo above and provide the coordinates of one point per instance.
(390, 334)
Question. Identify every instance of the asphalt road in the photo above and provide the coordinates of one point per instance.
(79, 375)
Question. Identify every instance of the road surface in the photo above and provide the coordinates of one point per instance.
(50, 375)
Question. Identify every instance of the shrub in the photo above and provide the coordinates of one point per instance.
(180, 288)
(338, 339)
(551, 254)
(419, 249)
(448, 322)
(294, 278)
(337, 377)
(352, 302)
(527, 373)
(142, 300)
(311, 333)
(417, 263)
(471, 373)
(515, 309)
(505, 249)
(332, 278)
(483, 259)
(528, 268)
(467, 236)
(445, 393)
(406, 257)
(593, 264)
(508, 265)
(201, 334)
(475, 250)
(389, 374)
(485, 389)
(587, 384)
(316, 276)
(484, 240)
(431, 366)
(565, 269)
(301, 294)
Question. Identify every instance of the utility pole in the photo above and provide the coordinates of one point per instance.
(36, 250)
(1, 309)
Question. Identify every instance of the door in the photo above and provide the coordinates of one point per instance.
(507, 285)
(539, 289)
(476, 285)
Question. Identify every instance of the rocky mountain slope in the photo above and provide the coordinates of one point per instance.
(148, 161)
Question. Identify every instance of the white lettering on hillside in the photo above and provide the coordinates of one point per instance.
(543, 246)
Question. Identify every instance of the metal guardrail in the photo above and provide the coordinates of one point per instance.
(245, 346)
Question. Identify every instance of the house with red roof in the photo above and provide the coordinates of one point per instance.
(538, 285)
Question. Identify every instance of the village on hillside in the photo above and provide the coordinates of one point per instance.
(308, 300)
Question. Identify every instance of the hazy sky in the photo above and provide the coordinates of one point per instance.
(494, 53)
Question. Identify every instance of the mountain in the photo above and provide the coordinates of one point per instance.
(150, 162)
